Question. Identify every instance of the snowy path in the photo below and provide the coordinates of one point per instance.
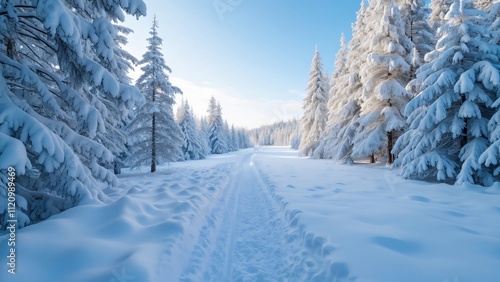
(257, 251)
(247, 238)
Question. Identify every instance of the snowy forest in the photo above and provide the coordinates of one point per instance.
(417, 87)
(283, 133)
(70, 115)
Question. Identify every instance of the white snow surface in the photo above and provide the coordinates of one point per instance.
(265, 214)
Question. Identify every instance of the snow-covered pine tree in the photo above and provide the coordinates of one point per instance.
(191, 147)
(384, 78)
(234, 139)
(115, 138)
(491, 156)
(155, 137)
(328, 87)
(340, 63)
(336, 86)
(227, 134)
(439, 9)
(449, 118)
(55, 88)
(216, 132)
(315, 113)
(344, 109)
(203, 129)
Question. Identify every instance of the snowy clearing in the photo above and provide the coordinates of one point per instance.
(265, 214)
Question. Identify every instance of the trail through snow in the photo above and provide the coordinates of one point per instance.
(247, 238)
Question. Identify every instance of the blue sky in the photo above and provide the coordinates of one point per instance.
(254, 57)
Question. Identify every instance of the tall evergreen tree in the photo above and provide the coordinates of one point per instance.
(384, 78)
(234, 139)
(204, 139)
(227, 136)
(345, 106)
(192, 148)
(491, 156)
(449, 118)
(340, 62)
(115, 138)
(155, 136)
(337, 85)
(217, 138)
(315, 113)
(58, 79)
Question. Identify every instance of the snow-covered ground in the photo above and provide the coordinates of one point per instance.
(265, 214)
(385, 228)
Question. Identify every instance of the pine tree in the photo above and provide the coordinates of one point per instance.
(227, 137)
(155, 136)
(449, 118)
(340, 62)
(216, 132)
(345, 106)
(204, 139)
(234, 139)
(115, 138)
(384, 79)
(192, 148)
(57, 80)
(491, 156)
(337, 85)
(315, 113)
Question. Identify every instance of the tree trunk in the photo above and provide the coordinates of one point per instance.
(117, 167)
(153, 135)
(372, 158)
(153, 144)
(390, 141)
(390, 144)
(11, 49)
(464, 138)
